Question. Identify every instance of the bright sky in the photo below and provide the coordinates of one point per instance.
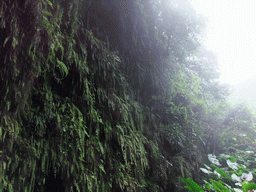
(231, 34)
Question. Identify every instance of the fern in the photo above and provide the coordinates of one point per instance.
(248, 186)
(191, 185)
(217, 185)
(222, 173)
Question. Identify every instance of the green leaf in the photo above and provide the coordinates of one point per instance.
(102, 168)
(191, 185)
(120, 128)
(223, 173)
(63, 68)
(233, 159)
(208, 186)
(50, 3)
(248, 186)
(46, 13)
(218, 186)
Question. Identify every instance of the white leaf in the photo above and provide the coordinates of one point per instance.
(204, 170)
(235, 177)
(247, 177)
(237, 190)
(213, 159)
(232, 165)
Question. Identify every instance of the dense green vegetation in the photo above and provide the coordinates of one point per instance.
(115, 96)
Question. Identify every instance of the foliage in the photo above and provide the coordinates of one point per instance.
(233, 174)
(64, 130)
(111, 96)
(191, 185)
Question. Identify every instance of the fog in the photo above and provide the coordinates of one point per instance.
(230, 34)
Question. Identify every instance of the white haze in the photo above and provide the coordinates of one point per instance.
(231, 35)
